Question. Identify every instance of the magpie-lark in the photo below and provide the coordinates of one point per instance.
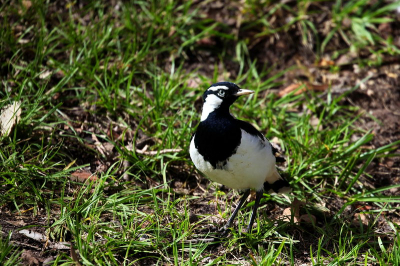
(233, 152)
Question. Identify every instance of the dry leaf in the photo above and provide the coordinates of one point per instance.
(42, 238)
(289, 89)
(392, 75)
(34, 235)
(26, 3)
(308, 218)
(385, 28)
(363, 207)
(314, 122)
(29, 258)
(23, 41)
(326, 62)
(49, 261)
(83, 176)
(9, 117)
(74, 256)
(206, 41)
(18, 223)
(45, 74)
(344, 59)
(292, 211)
(287, 216)
(302, 87)
(360, 217)
(60, 245)
(194, 83)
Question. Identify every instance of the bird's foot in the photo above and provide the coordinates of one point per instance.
(246, 231)
(224, 231)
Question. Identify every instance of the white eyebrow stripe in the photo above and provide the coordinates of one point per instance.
(217, 88)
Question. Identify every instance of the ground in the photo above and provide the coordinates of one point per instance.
(111, 93)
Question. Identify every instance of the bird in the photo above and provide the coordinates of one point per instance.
(233, 152)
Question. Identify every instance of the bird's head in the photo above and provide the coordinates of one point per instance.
(221, 95)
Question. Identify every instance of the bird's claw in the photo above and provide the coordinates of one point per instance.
(223, 231)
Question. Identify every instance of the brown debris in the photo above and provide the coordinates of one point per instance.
(29, 258)
(302, 87)
(83, 176)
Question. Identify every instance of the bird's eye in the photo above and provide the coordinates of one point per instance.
(221, 93)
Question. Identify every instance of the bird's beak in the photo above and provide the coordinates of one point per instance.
(244, 92)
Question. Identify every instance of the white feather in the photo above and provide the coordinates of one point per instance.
(215, 88)
(251, 165)
(211, 103)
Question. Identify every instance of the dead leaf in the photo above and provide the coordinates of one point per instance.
(23, 41)
(172, 31)
(49, 260)
(9, 117)
(42, 238)
(113, 133)
(18, 223)
(126, 164)
(29, 258)
(287, 216)
(45, 74)
(74, 256)
(33, 235)
(194, 83)
(392, 75)
(108, 147)
(308, 218)
(83, 176)
(302, 87)
(206, 41)
(26, 3)
(363, 207)
(314, 122)
(385, 28)
(326, 62)
(100, 147)
(59, 245)
(292, 212)
(360, 217)
(344, 59)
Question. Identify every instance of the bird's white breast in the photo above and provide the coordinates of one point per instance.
(249, 167)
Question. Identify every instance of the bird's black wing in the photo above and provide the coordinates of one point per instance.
(249, 128)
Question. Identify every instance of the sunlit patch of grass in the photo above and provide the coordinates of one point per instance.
(97, 70)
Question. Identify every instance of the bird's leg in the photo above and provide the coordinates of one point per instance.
(259, 195)
(235, 212)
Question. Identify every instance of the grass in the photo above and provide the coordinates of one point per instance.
(123, 74)
(9, 254)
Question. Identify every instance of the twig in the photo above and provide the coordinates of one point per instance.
(144, 152)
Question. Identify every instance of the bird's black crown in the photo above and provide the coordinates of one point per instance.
(227, 91)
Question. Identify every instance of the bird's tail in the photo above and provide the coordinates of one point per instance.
(275, 183)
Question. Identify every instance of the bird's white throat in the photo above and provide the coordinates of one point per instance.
(211, 103)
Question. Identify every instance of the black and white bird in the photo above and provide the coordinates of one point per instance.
(233, 152)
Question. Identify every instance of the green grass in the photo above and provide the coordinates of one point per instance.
(124, 74)
(9, 254)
